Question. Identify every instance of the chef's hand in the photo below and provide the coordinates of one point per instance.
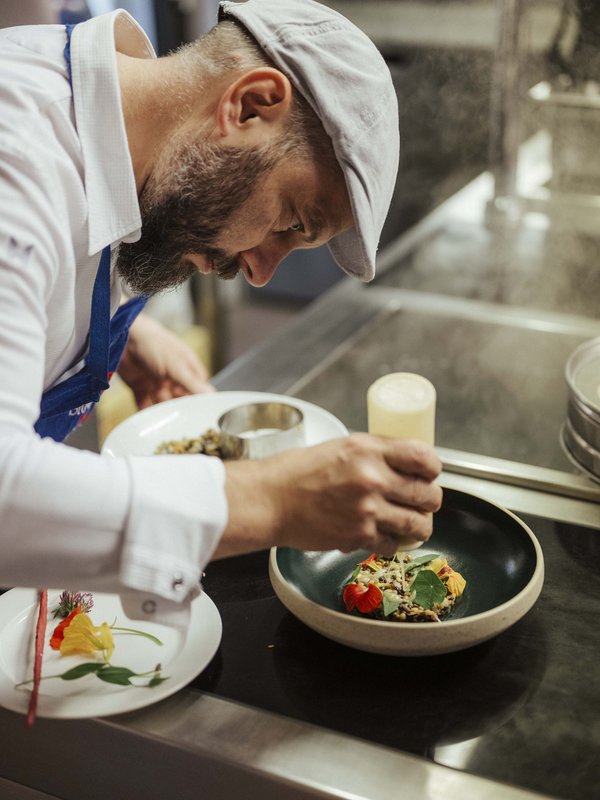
(158, 365)
(359, 492)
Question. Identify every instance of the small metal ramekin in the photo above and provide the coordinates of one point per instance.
(259, 430)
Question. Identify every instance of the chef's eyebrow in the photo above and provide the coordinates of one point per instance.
(316, 224)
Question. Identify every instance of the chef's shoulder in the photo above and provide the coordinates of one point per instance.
(33, 77)
(42, 196)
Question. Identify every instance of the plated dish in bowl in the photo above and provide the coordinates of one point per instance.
(496, 553)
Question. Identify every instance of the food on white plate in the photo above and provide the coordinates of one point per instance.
(210, 443)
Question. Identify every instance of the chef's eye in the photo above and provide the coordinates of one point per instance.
(297, 227)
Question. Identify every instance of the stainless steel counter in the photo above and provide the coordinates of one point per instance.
(488, 310)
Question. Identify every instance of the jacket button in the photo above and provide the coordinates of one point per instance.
(149, 606)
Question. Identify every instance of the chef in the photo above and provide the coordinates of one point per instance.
(120, 176)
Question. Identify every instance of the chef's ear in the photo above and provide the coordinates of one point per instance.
(260, 97)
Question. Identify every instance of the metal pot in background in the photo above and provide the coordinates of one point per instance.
(581, 430)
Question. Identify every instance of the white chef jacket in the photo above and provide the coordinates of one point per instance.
(141, 526)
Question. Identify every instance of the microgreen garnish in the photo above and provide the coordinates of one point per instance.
(420, 561)
(389, 604)
(69, 601)
(354, 574)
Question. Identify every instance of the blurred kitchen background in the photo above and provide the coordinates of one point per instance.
(498, 98)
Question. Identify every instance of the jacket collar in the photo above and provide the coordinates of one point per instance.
(113, 206)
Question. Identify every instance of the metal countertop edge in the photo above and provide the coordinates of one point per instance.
(238, 751)
(527, 501)
(196, 739)
(524, 488)
(293, 755)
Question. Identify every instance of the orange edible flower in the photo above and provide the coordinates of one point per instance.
(366, 561)
(456, 584)
(364, 599)
(59, 632)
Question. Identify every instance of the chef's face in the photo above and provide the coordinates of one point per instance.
(210, 208)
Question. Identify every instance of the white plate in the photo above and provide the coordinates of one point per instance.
(182, 656)
(190, 416)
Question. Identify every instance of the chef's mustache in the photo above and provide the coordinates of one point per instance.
(225, 266)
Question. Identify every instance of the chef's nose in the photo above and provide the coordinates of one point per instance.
(263, 260)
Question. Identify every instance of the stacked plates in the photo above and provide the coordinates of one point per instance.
(581, 430)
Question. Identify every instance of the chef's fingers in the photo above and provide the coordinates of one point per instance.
(188, 371)
(169, 389)
(411, 456)
(192, 377)
(399, 524)
(388, 545)
(414, 492)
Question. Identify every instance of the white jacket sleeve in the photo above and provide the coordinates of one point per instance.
(144, 527)
(71, 519)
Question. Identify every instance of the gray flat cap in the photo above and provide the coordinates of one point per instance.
(344, 78)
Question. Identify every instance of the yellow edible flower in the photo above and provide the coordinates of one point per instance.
(82, 637)
(455, 583)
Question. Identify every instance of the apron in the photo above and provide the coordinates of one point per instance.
(70, 402)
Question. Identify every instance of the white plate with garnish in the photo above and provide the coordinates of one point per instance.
(156, 660)
(190, 416)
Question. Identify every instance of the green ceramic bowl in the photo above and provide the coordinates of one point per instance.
(494, 550)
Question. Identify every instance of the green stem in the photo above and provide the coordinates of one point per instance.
(138, 633)
(143, 674)
(44, 678)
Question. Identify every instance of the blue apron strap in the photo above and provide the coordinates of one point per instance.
(67, 50)
(67, 403)
(97, 358)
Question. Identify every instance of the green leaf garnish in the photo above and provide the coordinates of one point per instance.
(353, 576)
(81, 670)
(428, 589)
(156, 681)
(118, 675)
(420, 561)
(389, 604)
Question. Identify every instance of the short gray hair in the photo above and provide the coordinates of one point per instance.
(228, 47)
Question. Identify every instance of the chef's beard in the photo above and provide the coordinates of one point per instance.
(185, 206)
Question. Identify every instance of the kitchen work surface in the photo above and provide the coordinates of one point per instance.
(282, 712)
(520, 708)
